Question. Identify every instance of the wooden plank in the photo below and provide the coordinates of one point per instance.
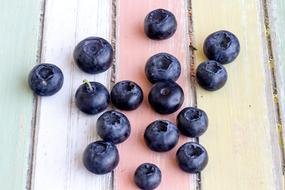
(134, 48)
(241, 139)
(19, 31)
(63, 131)
(276, 13)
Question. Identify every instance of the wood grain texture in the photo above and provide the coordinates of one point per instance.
(134, 48)
(276, 10)
(241, 139)
(19, 33)
(63, 131)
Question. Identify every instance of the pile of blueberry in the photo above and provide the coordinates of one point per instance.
(95, 55)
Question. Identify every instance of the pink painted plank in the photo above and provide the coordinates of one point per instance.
(134, 48)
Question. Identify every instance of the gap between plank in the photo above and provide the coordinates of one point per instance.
(36, 102)
(272, 66)
(113, 72)
(192, 50)
(113, 41)
(192, 60)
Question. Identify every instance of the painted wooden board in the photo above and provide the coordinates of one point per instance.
(19, 31)
(242, 138)
(63, 131)
(276, 11)
(134, 48)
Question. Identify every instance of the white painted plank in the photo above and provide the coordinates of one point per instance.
(62, 130)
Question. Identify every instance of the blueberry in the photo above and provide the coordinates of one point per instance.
(192, 122)
(160, 24)
(92, 97)
(101, 157)
(161, 136)
(45, 79)
(192, 157)
(147, 176)
(211, 75)
(127, 95)
(222, 46)
(93, 55)
(113, 126)
(166, 97)
(162, 67)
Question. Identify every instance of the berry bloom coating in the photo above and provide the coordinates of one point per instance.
(166, 97)
(113, 126)
(192, 122)
(101, 157)
(45, 79)
(211, 75)
(147, 176)
(162, 67)
(222, 46)
(161, 136)
(192, 157)
(127, 95)
(92, 97)
(93, 55)
(160, 24)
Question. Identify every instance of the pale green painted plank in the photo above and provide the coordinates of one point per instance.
(19, 33)
(276, 9)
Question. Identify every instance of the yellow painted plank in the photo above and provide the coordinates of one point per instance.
(241, 139)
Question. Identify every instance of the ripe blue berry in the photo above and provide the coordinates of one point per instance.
(101, 157)
(161, 136)
(45, 79)
(192, 122)
(113, 126)
(222, 46)
(160, 24)
(92, 97)
(162, 67)
(127, 95)
(147, 176)
(93, 55)
(211, 75)
(192, 157)
(166, 97)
